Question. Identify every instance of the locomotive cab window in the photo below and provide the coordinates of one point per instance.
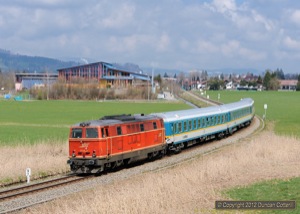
(91, 133)
(76, 133)
(104, 132)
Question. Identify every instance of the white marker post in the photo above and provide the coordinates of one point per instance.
(28, 173)
(265, 107)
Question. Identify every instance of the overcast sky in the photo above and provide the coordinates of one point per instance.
(174, 34)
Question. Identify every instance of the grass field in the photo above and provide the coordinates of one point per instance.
(276, 190)
(283, 107)
(38, 121)
(33, 121)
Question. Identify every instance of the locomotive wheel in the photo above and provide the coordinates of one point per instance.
(117, 164)
(177, 150)
(220, 135)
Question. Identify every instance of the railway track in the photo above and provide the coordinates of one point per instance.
(11, 195)
(203, 99)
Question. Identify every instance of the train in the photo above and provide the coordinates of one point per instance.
(112, 141)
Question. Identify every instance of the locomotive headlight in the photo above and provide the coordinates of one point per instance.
(94, 154)
(73, 154)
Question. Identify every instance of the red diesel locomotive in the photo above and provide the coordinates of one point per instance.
(111, 141)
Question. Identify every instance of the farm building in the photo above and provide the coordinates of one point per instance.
(289, 85)
(106, 74)
(29, 80)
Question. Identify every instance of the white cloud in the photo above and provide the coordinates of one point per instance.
(163, 42)
(120, 16)
(295, 17)
(291, 43)
(261, 19)
(234, 49)
(230, 48)
(204, 46)
(224, 6)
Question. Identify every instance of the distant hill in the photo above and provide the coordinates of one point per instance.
(162, 71)
(128, 67)
(15, 62)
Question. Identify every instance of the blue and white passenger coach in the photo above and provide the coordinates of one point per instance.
(187, 127)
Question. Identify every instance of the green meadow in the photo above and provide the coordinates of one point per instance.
(24, 122)
(283, 108)
(276, 190)
(35, 121)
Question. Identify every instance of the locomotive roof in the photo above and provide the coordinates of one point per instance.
(117, 119)
(200, 112)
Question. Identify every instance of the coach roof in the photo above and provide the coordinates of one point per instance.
(200, 112)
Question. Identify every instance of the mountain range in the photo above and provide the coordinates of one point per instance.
(22, 63)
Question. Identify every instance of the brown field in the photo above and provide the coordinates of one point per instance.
(43, 159)
(191, 187)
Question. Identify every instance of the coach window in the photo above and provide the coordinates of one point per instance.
(184, 126)
(119, 130)
(77, 133)
(179, 127)
(172, 128)
(175, 128)
(190, 125)
(195, 124)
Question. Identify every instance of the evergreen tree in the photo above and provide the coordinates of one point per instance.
(298, 84)
(158, 78)
(259, 80)
(267, 78)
